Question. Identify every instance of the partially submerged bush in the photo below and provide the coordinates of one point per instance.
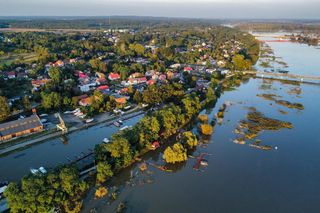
(189, 139)
(101, 192)
(174, 154)
(206, 129)
(203, 118)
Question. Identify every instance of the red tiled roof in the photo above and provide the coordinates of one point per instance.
(104, 87)
(114, 76)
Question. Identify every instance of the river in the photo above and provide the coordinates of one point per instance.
(55, 151)
(301, 59)
(238, 178)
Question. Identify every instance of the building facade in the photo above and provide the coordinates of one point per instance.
(18, 128)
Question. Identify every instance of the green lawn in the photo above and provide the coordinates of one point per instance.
(11, 57)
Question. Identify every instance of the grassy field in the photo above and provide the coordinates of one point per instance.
(24, 57)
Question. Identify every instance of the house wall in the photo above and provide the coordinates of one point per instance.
(19, 134)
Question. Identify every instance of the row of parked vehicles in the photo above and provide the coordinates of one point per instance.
(77, 112)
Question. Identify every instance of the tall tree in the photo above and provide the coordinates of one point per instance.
(4, 109)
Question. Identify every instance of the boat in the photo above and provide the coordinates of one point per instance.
(42, 170)
(89, 120)
(79, 114)
(283, 71)
(116, 124)
(82, 116)
(106, 140)
(3, 186)
(123, 128)
(43, 115)
(34, 171)
(120, 121)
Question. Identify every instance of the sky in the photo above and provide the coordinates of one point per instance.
(257, 9)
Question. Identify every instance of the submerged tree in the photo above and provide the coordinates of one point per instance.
(174, 154)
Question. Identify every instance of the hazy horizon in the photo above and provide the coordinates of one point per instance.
(209, 9)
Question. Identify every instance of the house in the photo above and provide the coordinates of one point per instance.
(104, 89)
(113, 76)
(121, 100)
(85, 87)
(202, 84)
(162, 77)
(22, 75)
(100, 75)
(39, 83)
(151, 82)
(175, 66)
(11, 75)
(187, 69)
(155, 145)
(58, 63)
(85, 101)
(20, 127)
(136, 75)
(101, 81)
(73, 60)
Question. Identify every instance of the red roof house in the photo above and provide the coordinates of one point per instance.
(114, 76)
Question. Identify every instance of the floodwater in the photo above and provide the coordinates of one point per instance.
(239, 178)
(56, 151)
(301, 59)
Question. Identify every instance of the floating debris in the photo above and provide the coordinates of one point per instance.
(143, 166)
(239, 141)
(121, 207)
(101, 192)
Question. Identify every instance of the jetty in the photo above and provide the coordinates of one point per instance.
(285, 77)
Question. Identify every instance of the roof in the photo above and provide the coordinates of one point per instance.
(114, 76)
(104, 87)
(20, 125)
(85, 101)
(121, 100)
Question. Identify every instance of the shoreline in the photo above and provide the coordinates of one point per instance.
(42, 139)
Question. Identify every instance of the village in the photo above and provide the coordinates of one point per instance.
(91, 84)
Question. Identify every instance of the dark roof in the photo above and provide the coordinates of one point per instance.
(13, 127)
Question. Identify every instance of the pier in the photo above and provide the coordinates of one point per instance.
(285, 77)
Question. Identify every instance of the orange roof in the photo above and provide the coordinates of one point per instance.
(121, 100)
(85, 101)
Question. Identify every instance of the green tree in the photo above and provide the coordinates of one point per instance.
(4, 109)
(104, 171)
(174, 154)
(189, 139)
(26, 103)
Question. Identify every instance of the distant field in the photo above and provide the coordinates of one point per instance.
(47, 30)
(11, 57)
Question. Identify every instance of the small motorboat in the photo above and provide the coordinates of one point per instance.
(42, 170)
(116, 123)
(106, 140)
(34, 171)
(120, 121)
(123, 128)
(89, 120)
